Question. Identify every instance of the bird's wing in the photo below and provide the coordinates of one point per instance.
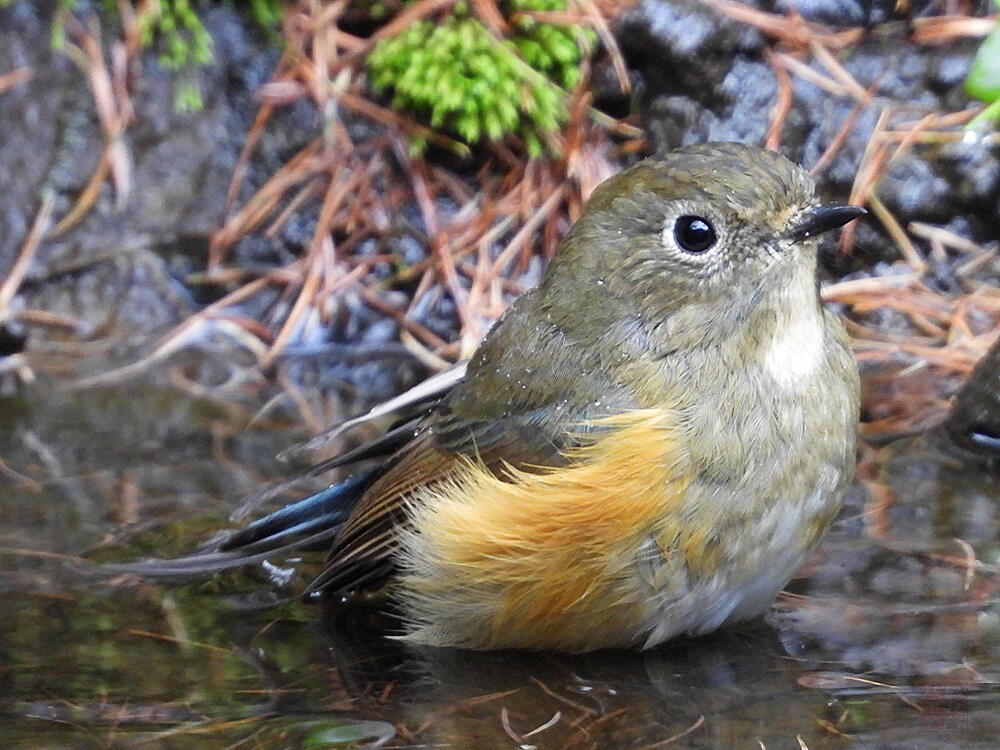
(527, 396)
(361, 554)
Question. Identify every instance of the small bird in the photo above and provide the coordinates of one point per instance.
(648, 444)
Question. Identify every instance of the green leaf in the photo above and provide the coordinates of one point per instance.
(983, 81)
(323, 734)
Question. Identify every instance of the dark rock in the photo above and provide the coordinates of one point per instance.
(841, 13)
(974, 420)
(678, 46)
(122, 272)
(113, 268)
(13, 337)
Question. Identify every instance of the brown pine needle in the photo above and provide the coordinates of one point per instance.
(783, 103)
(898, 234)
(17, 272)
(14, 78)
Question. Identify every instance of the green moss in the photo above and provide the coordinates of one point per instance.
(174, 30)
(183, 40)
(460, 78)
(267, 13)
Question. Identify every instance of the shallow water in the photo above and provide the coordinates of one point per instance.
(891, 639)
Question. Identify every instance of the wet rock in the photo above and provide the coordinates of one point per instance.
(13, 337)
(976, 183)
(122, 274)
(114, 272)
(678, 46)
(974, 420)
(840, 13)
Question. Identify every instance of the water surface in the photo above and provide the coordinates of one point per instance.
(889, 640)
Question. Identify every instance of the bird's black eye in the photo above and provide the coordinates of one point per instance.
(694, 234)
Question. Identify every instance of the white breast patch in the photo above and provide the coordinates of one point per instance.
(796, 350)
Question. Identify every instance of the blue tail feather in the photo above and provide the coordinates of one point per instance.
(305, 524)
(324, 510)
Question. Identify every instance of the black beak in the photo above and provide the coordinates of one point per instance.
(823, 219)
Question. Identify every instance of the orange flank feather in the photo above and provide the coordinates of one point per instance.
(547, 557)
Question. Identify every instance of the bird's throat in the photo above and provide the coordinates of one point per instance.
(794, 350)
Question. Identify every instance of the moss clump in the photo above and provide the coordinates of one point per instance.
(463, 79)
(183, 39)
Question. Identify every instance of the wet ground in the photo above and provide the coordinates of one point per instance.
(890, 640)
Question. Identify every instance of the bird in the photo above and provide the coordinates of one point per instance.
(647, 445)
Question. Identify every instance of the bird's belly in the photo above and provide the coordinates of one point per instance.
(758, 560)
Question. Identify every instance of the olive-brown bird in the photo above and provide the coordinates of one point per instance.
(647, 444)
